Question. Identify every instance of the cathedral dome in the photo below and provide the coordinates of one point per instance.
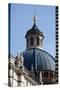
(40, 59)
(34, 30)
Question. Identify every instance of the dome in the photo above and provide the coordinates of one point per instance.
(40, 59)
(34, 30)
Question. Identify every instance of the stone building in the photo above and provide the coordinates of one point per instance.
(34, 66)
(18, 75)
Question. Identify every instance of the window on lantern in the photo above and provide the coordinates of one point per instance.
(37, 40)
(45, 74)
(51, 75)
(31, 41)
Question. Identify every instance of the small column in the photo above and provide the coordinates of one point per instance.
(41, 78)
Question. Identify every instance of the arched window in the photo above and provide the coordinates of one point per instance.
(31, 41)
(45, 74)
(37, 40)
(51, 74)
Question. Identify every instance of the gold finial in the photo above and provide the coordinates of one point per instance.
(34, 17)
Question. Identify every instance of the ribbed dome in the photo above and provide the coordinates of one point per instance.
(40, 60)
(34, 30)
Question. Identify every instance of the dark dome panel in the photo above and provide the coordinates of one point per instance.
(40, 59)
(28, 58)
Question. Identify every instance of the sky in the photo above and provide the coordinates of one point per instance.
(22, 20)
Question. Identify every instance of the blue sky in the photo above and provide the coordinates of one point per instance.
(22, 21)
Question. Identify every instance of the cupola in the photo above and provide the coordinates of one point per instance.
(34, 37)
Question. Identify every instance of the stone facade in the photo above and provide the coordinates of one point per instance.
(18, 76)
